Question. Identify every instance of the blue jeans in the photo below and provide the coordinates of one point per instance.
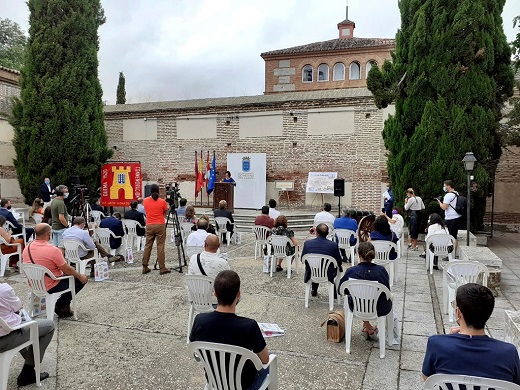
(57, 237)
(260, 378)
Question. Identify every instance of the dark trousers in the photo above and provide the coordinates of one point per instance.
(65, 299)
(28, 232)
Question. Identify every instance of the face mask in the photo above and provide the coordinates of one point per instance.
(387, 188)
(47, 182)
(66, 195)
(444, 189)
(9, 207)
(394, 212)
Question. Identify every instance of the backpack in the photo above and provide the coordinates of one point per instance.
(461, 205)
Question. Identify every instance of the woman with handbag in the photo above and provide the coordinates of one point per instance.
(413, 204)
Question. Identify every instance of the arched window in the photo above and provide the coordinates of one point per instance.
(323, 72)
(338, 72)
(354, 71)
(369, 66)
(307, 74)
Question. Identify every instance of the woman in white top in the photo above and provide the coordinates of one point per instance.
(413, 204)
(435, 226)
(397, 220)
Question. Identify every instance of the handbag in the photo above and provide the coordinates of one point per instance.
(335, 326)
(101, 271)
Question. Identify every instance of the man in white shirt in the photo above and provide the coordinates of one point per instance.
(210, 262)
(273, 213)
(198, 237)
(452, 219)
(324, 216)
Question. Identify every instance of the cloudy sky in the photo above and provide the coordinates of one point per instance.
(186, 49)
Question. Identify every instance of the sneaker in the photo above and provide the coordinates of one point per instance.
(279, 268)
(423, 255)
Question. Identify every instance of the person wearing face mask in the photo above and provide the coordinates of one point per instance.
(5, 210)
(388, 199)
(46, 190)
(413, 204)
(452, 219)
(60, 217)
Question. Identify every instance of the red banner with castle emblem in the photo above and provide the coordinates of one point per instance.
(121, 182)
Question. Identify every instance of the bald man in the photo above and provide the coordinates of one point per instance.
(210, 262)
(42, 253)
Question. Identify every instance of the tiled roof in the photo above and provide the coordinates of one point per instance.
(240, 101)
(334, 44)
(9, 70)
(347, 21)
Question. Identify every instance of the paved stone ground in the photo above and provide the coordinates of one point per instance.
(131, 331)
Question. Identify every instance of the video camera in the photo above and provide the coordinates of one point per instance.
(173, 194)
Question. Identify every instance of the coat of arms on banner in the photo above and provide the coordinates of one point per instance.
(246, 164)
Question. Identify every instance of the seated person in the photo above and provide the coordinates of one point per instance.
(140, 206)
(10, 305)
(116, 226)
(198, 237)
(382, 232)
(5, 210)
(134, 215)
(280, 229)
(264, 219)
(181, 210)
(468, 350)
(6, 249)
(189, 215)
(347, 222)
(210, 262)
(273, 213)
(324, 216)
(225, 327)
(47, 215)
(37, 207)
(97, 206)
(211, 228)
(366, 270)
(77, 232)
(223, 212)
(42, 253)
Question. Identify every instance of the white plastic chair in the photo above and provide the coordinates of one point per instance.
(7, 356)
(38, 218)
(35, 275)
(97, 216)
(365, 294)
(200, 295)
(193, 250)
(4, 259)
(104, 235)
(319, 265)
(72, 254)
(131, 234)
(343, 236)
(224, 363)
(222, 223)
(9, 226)
(457, 273)
(397, 228)
(279, 245)
(383, 249)
(440, 242)
(186, 230)
(441, 382)
(261, 235)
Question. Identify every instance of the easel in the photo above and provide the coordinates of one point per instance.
(315, 195)
(284, 186)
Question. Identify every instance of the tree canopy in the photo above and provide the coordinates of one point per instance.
(12, 44)
(450, 75)
(58, 121)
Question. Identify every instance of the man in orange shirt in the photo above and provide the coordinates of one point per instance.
(156, 209)
(42, 253)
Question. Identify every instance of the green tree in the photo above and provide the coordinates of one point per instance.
(121, 92)
(58, 121)
(12, 44)
(450, 76)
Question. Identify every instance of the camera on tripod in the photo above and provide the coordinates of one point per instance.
(173, 194)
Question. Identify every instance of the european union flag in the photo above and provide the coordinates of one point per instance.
(212, 175)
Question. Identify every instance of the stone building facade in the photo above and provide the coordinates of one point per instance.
(324, 131)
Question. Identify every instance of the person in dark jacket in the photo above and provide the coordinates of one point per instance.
(223, 212)
(46, 190)
(5, 210)
(382, 232)
(135, 215)
(116, 226)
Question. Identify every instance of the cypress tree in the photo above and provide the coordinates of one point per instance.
(58, 120)
(449, 78)
(121, 92)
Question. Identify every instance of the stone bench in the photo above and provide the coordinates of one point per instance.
(485, 256)
(512, 328)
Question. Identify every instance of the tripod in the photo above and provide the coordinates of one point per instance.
(178, 238)
(80, 204)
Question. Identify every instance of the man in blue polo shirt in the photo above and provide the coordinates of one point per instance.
(468, 350)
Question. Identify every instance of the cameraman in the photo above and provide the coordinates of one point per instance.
(451, 217)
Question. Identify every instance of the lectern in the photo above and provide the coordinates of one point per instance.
(224, 191)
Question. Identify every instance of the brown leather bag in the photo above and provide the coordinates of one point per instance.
(335, 326)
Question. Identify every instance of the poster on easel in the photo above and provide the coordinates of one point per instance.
(321, 182)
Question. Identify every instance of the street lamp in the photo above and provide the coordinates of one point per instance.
(469, 161)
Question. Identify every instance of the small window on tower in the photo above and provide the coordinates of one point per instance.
(338, 72)
(323, 72)
(307, 74)
(369, 66)
(354, 71)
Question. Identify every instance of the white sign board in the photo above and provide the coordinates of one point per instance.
(321, 182)
(249, 172)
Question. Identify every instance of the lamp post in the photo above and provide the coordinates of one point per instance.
(469, 161)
